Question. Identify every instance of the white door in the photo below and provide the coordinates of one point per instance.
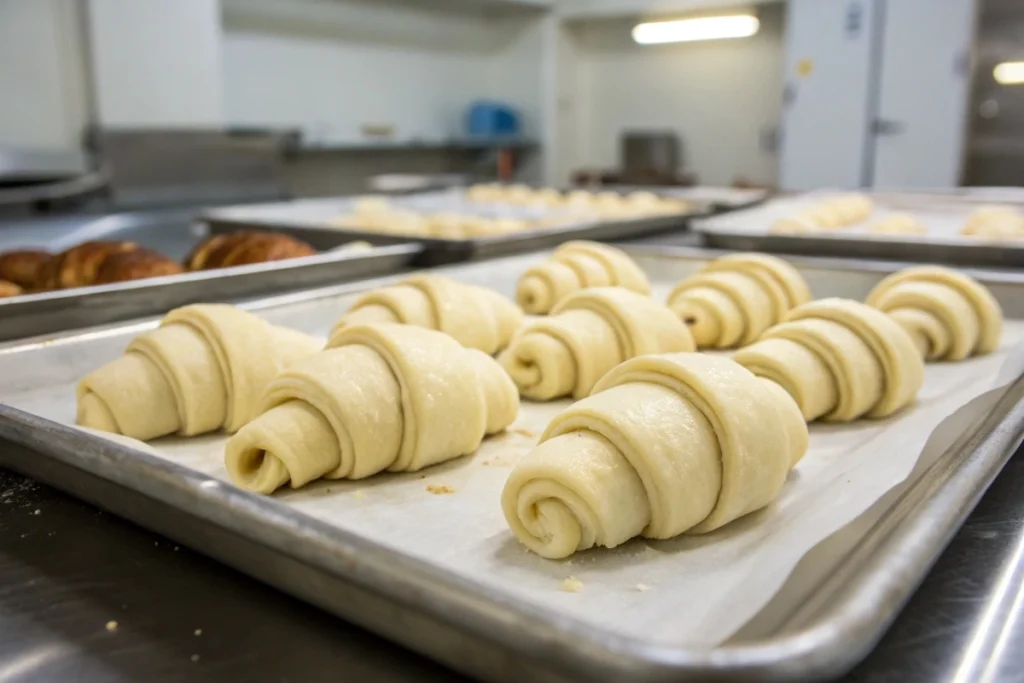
(826, 121)
(923, 93)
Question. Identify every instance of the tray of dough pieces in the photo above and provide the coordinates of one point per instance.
(981, 229)
(799, 590)
(66, 309)
(451, 227)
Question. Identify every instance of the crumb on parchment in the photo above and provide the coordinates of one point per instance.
(194, 658)
(642, 587)
(523, 431)
(440, 489)
(572, 585)
(198, 632)
(111, 626)
(358, 493)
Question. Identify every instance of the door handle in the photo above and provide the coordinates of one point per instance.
(887, 127)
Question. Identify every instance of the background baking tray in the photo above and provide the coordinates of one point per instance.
(49, 312)
(943, 212)
(460, 622)
(308, 220)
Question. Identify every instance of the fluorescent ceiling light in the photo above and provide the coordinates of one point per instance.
(1009, 73)
(704, 28)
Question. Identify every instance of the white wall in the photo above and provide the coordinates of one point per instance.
(330, 67)
(157, 63)
(723, 98)
(42, 87)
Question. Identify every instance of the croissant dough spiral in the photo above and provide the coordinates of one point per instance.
(381, 396)
(202, 370)
(733, 299)
(840, 360)
(574, 266)
(587, 334)
(665, 445)
(477, 317)
(949, 315)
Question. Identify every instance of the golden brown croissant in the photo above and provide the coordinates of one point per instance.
(136, 265)
(79, 266)
(241, 248)
(9, 289)
(22, 267)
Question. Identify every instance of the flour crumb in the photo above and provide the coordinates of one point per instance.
(523, 431)
(197, 632)
(359, 494)
(111, 626)
(440, 489)
(194, 658)
(642, 587)
(572, 585)
(175, 548)
(37, 512)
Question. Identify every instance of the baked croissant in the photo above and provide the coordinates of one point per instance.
(22, 267)
(135, 265)
(733, 299)
(477, 317)
(202, 370)
(839, 359)
(380, 397)
(665, 445)
(9, 289)
(587, 334)
(947, 314)
(574, 266)
(79, 266)
(243, 248)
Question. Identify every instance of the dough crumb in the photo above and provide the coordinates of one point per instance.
(359, 494)
(198, 632)
(38, 512)
(175, 548)
(194, 658)
(523, 431)
(423, 476)
(440, 489)
(572, 585)
(111, 626)
(642, 587)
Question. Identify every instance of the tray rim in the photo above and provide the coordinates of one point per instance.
(565, 644)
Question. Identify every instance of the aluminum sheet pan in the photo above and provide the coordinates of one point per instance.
(50, 312)
(943, 213)
(309, 220)
(461, 622)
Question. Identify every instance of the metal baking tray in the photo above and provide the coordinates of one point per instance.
(462, 623)
(49, 312)
(747, 230)
(308, 220)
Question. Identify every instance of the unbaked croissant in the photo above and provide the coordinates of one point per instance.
(135, 265)
(380, 397)
(949, 315)
(574, 266)
(80, 265)
(477, 317)
(665, 445)
(202, 370)
(22, 267)
(840, 360)
(733, 299)
(587, 334)
(245, 247)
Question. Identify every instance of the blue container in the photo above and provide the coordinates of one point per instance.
(492, 119)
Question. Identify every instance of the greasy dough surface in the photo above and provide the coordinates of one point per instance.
(574, 266)
(733, 299)
(477, 317)
(840, 360)
(587, 334)
(948, 314)
(202, 370)
(665, 445)
(382, 396)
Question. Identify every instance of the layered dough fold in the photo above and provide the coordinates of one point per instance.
(574, 266)
(733, 299)
(949, 315)
(587, 334)
(201, 370)
(477, 317)
(382, 397)
(665, 445)
(840, 360)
